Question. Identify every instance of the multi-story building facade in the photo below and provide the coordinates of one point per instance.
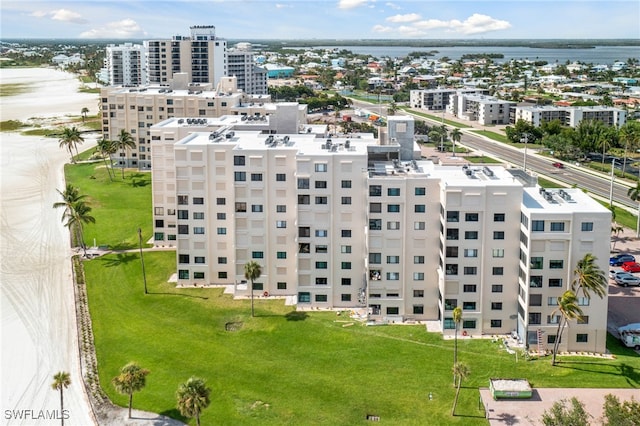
(438, 99)
(202, 56)
(251, 78)
(125, 65)
(570, 116)
(349, 223)
(486, 110)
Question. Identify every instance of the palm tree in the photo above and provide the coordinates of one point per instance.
(616, 230)
(457, 319)
(124, 141)
(70, 139)
(634, 194)
(106, 148)
(70, 196)
(568, 309)
(588, 277)
(132, 378)
(461, 371)
(252, 271)
(193, 397)
(84, 113)
(456, 135)
(76, 218)
(392, 108)
(61, 381)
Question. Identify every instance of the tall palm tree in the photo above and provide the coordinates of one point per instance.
(132, 378)
(568, 309)
(634, 194)
(106, 148)
(588, 277)
(252, 271)
(124, 141)
(461, 371)
(61, 381)
(193, 397)
(616, 230)
(84, 113)
(456, 135)
(70, 139)
(70, 196)
(76, 218)
(457, 319)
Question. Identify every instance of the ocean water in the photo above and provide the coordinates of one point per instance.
(598, 55)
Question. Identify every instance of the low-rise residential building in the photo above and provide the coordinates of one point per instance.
(485, 109)
(570, 116)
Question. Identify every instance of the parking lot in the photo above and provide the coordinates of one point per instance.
(624, 302)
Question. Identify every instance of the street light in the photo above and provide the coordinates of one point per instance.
(144, 275)
(524, 139)
(613, 160)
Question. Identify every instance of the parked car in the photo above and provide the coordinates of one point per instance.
(619, 259)
(627, 281)
(631, 266)
(558, 165)
(614, 275)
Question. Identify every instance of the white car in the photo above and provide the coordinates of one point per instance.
(628, 280)
(614, 275)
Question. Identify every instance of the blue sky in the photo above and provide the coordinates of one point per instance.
(323, 19)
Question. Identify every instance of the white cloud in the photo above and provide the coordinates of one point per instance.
(409, 17)
(283, 6)
(478, 23)
(67, 16)
(350, 4)
(381, 29)
(39, 13)
(431, 24)
(392, 6)
(126, 28)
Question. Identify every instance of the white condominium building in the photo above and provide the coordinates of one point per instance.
(437, 99)
(125, 64)
(486, 110)
(571, 116)
(351, 222)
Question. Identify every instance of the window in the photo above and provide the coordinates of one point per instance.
(393, 310)
(321, 200)
(496, 306)
(183, 274)
(421, 190)
(322, 249)
(582, 338)
(375, 190)
(418, 259)
(222, 260)
(183, 258)
(304, 248)
(375, 207)
(304, 231)
(419, 226)
(551, 338)
(555, 282)
(498, 217)
(238, 160)
(257, 254)
(345, 265)
(198, 275)
(198, 230)
(393, 208)
(281, 286)
(535, 318)
(535, 281)
(183, 229)
(345, 297)
(451, 252)
(451, 269)
(497, 252)
(587, 226)
(256, 208)
(496, 288)
(303, 183)
(322, 233)
(239, 176)
(449, 324)
(158, 236)
(219, 201)
(535, 300)
(470, 235)
(346, 281)
(281, 208)
(557, 226)
(418, 293)
(320, 184)
(553, 319)
(345, 249)
(221, 216)
(470, 252)
(198, 215)
(497, 270)
(393, 259)
(281, 255)
(345, 184)
(469, 288)
(419, 208)
(556, 264)
(375, 258)
(537, 225)
(453, 216)
(321, 265)
(159, 223)
(450, 304)
(393, 192)
(321, 167)
(552, 301)
(583, 301)
(256, 177)
(471, 217)
(452, 234)
(468, 306)
(498, 235)
(469, 324)
(345, 200)
(393, 276)
(346, 233)
(322, 281)
(304, 199)
(304, 297)
(281, 177)
(496, 323)
(183, 214)
(537, 262)
(393, 225)
(584, 319)
(183, 200)
(470, 270)
(418, 276)
(241, 207)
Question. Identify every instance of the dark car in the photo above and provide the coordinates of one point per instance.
(558, 165)
(619, 259)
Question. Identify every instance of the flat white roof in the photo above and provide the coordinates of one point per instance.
(560, 200)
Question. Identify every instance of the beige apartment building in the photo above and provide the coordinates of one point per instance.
(355, 222)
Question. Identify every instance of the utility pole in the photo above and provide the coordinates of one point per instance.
(144, 275)
(611, 187)
(525, 139)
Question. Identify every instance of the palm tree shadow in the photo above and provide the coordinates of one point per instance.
(508, 419)
(120, 259)
(631, 375)
(296, 316)
(174, 413)
(177, 294)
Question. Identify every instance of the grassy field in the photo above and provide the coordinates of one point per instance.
(282, 367)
